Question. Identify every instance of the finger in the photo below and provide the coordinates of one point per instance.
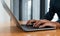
(42, 26)
(47, 24)
(44, 21)
(38, 23)
(30, 21)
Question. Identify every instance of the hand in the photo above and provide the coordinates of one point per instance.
(40, 22)
(30, 21)
(36, 23)
(51, 24)
(43, 23)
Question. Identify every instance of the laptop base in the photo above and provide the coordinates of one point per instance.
(29, 28)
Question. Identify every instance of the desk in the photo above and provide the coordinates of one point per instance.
(12, 30)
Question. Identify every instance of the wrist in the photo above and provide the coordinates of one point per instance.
(58, 25)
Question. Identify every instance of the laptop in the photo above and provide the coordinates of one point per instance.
(23, 27)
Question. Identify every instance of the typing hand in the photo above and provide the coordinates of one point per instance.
(43, 23)
(36, 23)
(29, 22)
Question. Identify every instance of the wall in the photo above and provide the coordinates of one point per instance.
(36, 9)
(4, 17)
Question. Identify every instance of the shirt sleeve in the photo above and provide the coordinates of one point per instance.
(49, 15)
(58, 21)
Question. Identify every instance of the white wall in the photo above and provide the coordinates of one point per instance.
(15, 8)
(4, 17)
(47, 5)
(25, 9)
(36, 9)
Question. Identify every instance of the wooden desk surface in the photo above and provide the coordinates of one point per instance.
(12, 30)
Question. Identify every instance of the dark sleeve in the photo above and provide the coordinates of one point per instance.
(49, 15)
(58, 21)
(58, 13)
(51, 12)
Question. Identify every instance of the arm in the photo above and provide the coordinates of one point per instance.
(51, 12)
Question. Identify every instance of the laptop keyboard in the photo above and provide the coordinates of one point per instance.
(31, 27)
